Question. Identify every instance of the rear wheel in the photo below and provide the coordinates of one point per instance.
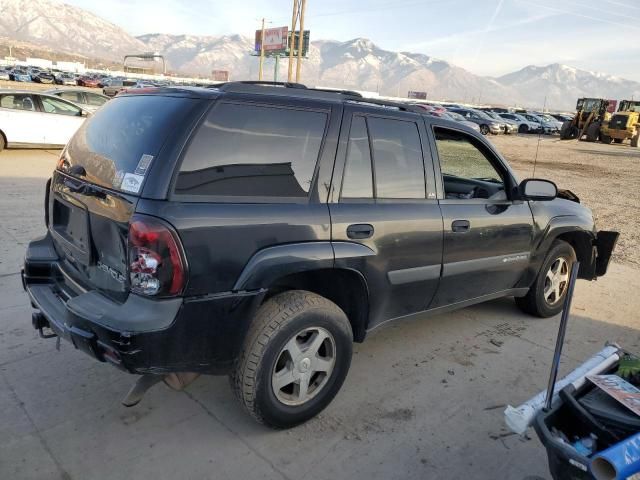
(484, 129)
(605, 139)
(295, 358)
(546, 295)
(523, 128)
(617, 140)
(635, 139)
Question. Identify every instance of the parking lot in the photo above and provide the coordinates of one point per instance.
(424, 398)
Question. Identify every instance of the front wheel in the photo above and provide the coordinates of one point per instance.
(295, 358)
(523, 128)
(546, 296)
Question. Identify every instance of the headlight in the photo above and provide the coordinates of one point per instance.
(495, 125)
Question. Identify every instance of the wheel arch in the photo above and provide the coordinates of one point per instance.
(576, 233)
(312, 266)
(344, 287)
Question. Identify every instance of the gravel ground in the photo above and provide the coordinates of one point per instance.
(605, 177)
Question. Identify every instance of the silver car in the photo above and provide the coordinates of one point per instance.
(90, 101)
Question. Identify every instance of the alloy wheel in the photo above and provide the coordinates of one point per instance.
(304, 366)
(556, 281)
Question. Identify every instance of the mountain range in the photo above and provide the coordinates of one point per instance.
(354, 64)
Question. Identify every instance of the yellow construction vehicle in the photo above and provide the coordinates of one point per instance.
(625, 123)
(591, 113)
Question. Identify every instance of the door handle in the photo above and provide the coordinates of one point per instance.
(460, 225)
(358, 231)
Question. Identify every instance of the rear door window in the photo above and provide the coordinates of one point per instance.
(117, 145)
(358, 175)
(397, 158)
(244, 150)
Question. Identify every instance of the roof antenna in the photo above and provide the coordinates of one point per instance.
(535, 160)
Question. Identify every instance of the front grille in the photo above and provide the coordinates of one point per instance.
(618, 122)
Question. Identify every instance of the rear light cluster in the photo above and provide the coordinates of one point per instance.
(156, 262)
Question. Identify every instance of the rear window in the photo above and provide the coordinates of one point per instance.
(117, 145)
(243, 150)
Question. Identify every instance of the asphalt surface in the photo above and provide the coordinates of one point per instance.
(424, 398)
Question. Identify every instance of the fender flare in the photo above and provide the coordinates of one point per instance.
(271, 263)
(559, 226)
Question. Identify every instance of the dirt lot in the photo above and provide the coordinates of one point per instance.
(423, 399)
(605, 177)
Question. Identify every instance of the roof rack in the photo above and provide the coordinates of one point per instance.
(405, 107)
(226, 85)
(301, 90)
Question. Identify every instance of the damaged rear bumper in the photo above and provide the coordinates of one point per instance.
(141, 335)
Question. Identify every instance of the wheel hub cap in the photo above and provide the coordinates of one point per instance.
(556, 281)
(303, 366)
(305, 363)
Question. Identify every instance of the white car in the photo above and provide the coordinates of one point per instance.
(524, 125)
(35, 120)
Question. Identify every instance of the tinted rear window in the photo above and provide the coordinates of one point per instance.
(253, 151)
(117, 145)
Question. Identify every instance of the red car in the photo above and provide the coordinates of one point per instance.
(87, 81)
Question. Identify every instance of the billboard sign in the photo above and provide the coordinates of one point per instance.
(220, 75)
(275, 39)
(417, 95)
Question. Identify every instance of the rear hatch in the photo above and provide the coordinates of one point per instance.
(97, 184)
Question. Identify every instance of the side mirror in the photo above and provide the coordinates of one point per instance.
(535, 189)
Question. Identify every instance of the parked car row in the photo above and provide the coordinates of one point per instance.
(497, 120)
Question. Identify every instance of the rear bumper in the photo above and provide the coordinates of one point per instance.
(140, 335)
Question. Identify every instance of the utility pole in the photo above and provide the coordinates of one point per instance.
(261, 51)
(300, 40)
(294, 22)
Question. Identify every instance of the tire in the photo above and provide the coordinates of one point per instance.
(3, 143)
(279, 326)
(535, 302)
(605, 139)
(484, 129)
(635, 139)
(593, 132)
(523, 128)
(617, 140)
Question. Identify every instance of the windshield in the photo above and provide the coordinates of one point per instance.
(116, 146)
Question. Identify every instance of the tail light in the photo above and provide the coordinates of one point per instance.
(156, 262)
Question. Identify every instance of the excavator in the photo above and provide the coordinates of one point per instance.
(624, 124)
(591, 113)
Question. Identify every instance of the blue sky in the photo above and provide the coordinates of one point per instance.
(487, 37)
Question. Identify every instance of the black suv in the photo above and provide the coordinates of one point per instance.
(257, 231)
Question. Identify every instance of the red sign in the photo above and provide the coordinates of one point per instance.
(220, 75)
(274, 39)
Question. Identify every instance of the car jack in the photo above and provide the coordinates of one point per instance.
(176, 381)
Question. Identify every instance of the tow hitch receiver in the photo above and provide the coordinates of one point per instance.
(176, 381)
(39, 322)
